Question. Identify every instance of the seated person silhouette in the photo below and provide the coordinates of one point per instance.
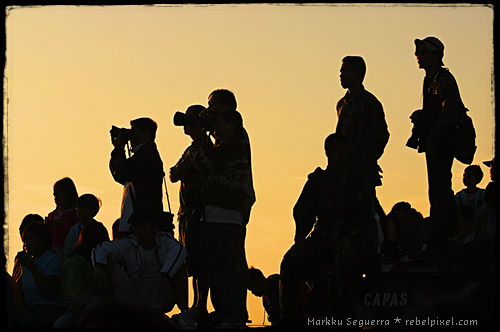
(40, 282)
(153, 274)
(267, 288)
(407, 230)
(77, 277)
(87, 207)
(333, 209)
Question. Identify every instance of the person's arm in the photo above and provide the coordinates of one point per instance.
(101, 254)
(304, 213)
(184, 167)
(377, 134)
(47, 284)
(175, 255)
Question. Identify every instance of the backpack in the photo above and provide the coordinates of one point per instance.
(463, 139)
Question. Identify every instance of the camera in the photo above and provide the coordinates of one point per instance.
(417, 130)
(205, 120)
(123, 132)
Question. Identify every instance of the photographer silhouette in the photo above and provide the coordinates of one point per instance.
(142, 173)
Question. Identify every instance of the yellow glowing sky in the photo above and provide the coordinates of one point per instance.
(73, 71)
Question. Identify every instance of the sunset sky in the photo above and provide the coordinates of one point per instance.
(74, 71)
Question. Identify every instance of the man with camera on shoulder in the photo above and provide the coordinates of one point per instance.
(142, 173)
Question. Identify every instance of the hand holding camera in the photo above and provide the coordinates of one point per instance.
(120, 136)
(205, 120)
(25, 259)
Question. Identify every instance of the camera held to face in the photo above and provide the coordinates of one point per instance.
(205, 120)
(125, 133)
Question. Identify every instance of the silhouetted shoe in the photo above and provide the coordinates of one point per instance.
(185, 320)
(201, 317)
(231, 325)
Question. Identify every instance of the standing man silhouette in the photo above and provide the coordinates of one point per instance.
(142, 173)
(361, 119)
(440, 112)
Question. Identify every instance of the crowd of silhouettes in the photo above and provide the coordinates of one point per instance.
(70, 273)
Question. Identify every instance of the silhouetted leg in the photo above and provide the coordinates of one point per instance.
(291, 272)
(443, 208)
(223, 241)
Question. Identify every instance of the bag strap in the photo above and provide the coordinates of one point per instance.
(166, 192)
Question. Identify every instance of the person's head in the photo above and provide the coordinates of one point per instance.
(256, 281)
(37, 239)
(29, 219)
(117, 235)
(429, 52)
(338, 151)
(194, 130)
(491, 165)
(472, 176)
(65, 193)
(143, 130)
(145, 224)
(222, 99)
(411, 228)
(352, 71)
(89, 238)
(228, 123)
(405, 207)
(87, 207)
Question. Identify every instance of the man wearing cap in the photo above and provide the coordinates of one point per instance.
(442, 107)
(142, 173)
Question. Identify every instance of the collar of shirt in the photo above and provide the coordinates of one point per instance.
(136, 148)
(135, 241)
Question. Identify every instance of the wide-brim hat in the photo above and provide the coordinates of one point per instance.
(432, 44)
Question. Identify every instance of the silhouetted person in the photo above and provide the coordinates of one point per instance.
(27, 220)
(40, 281)
(115, 232)
(267, 288)
(228, 199)
(64, 216)
(87, 208)
(191, 233)
(440, 112)
(220, 100)
(333, 205)
(77, 275)
(361, 119)
(475, 244)
(471, 196)
(407, 230)
(142, 173)
(145, 268)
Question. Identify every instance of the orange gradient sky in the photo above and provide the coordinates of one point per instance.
(73, 71)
